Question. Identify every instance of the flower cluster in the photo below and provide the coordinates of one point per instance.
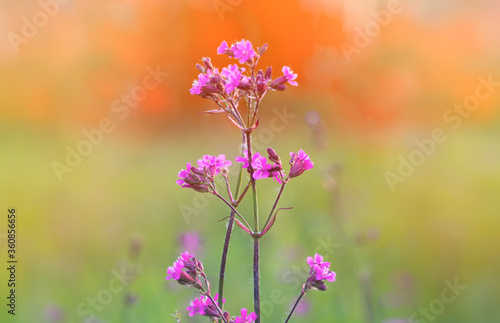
(261, 169)
(203, 305)
(320, 271)
(185, 270)
(299, 163)
(201, 178)
(227, 83)
(227, 87)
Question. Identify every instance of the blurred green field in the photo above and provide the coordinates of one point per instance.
(392, 252)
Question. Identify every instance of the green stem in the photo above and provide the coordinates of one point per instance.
(275, 204)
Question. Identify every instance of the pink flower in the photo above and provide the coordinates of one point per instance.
(319, 272)
(191, 241)
(233, 75)
(299, 163)
(193, 178)
(175, 271)
(289, 75)
(260, 166)
(213, 164)
(323, 273)
(261, 169)
(204, 306)
(244, 318)
(317, 260)
(185, 256)
(198, 305)
(198, 84)
(222, 48)
(243, 51)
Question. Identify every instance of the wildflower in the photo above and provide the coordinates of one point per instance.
(261, 169)
(197, 306)
(191, 241)
(243, 51)
(213, 165)
(194, 178)
(203, 305)
(289, 75)
(320, 271)
(233, 75)
(317, 260)
(199, 83)
(243, 318)
(299, 163)
(223, 48)
(175, 271)
(185, 256)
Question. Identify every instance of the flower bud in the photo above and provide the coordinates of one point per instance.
(200, 68)
(262, 49)
(273, 156)
(261, 89)
(208, 63)
(269, 73)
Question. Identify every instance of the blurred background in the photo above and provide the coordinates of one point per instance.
(400, 224)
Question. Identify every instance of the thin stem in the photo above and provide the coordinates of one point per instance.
(256, 278)
(275, 204)
(218, 308)
(228, 187)
(252, 180)
(302, 293)
(235, 211)
(243, 194)
(225, 250)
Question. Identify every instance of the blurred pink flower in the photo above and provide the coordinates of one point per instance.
(243, 51)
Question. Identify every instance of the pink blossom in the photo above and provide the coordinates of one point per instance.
(243, 51)
(191, 241)
(213, 164)
(324, 273)
(317, 260)
(222, 48)
(233, 75)
(289, 75)
(199, 83)
(194, 178)
(185, 256)
(261, 169)
(197, 306)
(299, 163)
(175, 271)
(320, 270)
(243, 318)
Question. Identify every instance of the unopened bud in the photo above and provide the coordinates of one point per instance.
(208, 63)
(273, 156)
(269, 73)
(200, 68)
(262, 49)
